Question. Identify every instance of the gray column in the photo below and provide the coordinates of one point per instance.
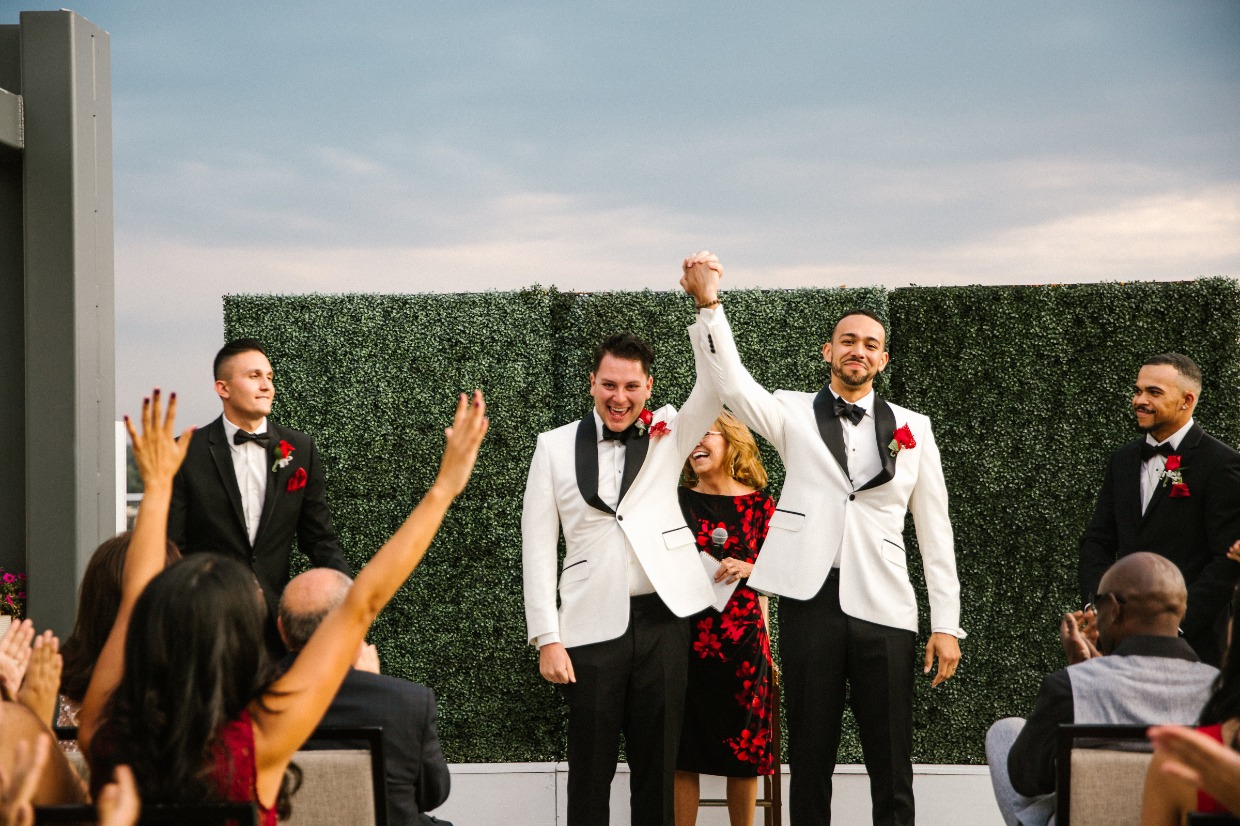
(69, 315)
(12, 315)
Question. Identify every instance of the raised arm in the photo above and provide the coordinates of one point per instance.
(737, 389)
(158, 454)
(294, 704)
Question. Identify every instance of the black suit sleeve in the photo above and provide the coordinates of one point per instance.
(434, 781)
(316, 537)
(1100, 544)
(1031, 762)
(1210, 591)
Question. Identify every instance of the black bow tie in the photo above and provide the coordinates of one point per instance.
(629, 432)
(241, 437)
(1149, 451)
(842, 408)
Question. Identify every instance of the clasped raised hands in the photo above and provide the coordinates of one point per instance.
(700, 279)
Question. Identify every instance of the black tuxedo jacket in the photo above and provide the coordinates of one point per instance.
(417, 774)
(206, 512)
(1194, 531)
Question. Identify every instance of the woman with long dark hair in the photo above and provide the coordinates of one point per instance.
(728, 700)
(99, 598)
(1170, 796)
(179, 692)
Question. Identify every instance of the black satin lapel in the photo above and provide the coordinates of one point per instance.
(829, 428)
(884, 432)
(1188, 446)
(634, 455)
(222, 454)
(587, 463)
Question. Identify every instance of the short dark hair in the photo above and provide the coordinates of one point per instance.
(1183, 365)
(625, 346)
(235, 348)
(867, 314)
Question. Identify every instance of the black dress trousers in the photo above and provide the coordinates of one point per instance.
(635, 685)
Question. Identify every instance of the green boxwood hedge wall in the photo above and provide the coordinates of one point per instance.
(1028, 388)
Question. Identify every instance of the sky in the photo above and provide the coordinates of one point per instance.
(404, 147)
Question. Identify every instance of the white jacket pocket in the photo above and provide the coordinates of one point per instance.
(893, 553)
(678, 537)
(786, 520)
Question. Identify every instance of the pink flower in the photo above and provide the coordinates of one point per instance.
(9, 578)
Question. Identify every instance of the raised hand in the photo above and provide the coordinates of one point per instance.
(156, 450)
(42, 683)
(700, 278)
(469, 426)
(15, 656)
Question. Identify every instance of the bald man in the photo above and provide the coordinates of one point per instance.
(417, 774)
(1138, 672)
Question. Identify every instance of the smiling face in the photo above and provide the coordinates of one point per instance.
(1161, 401)
(246, 388)
(856, 352)
(620, 388)
(710, 454)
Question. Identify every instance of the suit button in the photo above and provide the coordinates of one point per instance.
(620, 517)
(852, 496)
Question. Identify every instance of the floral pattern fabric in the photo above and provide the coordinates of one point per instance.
(727, 717)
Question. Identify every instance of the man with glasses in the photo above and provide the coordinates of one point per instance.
(1137, 672)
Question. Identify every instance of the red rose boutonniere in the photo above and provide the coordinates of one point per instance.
(1172, 475)
(659, 428)
(644, 419)
(298, 480)
(903, 438)
(286, 456)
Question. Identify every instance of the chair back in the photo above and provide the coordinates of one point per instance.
(1101, 774)
(343, 778)
(1212, 819)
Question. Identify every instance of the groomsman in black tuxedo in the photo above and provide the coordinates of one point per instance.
(609, 622)
(1175, 492)
(249, 487)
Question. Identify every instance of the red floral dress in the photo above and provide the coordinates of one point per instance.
(727, 718)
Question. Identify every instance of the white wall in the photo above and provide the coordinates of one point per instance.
(534, 794)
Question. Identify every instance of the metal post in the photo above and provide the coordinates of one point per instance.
(69, 305)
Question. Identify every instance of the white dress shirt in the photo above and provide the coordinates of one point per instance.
(1154, 467)
(864, 461)
(610, 473)
(250, 465)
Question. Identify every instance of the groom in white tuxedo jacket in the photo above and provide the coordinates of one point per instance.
(856, 464)
(618, 642)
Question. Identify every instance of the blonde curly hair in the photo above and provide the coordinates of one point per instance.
(740, 456)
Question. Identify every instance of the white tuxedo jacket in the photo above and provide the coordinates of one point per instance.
(593, 585)
(820, 513)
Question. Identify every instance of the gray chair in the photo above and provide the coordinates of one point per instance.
(1100, 774)
(343, 778)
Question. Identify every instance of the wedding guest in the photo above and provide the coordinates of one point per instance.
(178, 692)
(1176, 492)
(99, 597)
(249, 487)
(417, 773)
(728, 699)
(1170, 795)
(1138, 672)
(54, 783)
(610, 622)
(857, 466)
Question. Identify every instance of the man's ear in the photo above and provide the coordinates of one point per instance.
(221, 388)
(826, 352)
